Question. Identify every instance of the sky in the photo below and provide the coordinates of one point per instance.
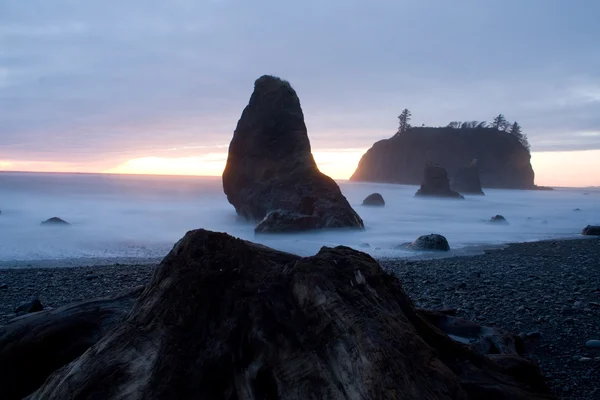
(148, 86)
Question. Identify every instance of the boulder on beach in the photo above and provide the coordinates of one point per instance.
(374, 199)
(270, 167)
(55, 221)
(591, 230)
(430, 242)
(226, 318)
(466, 180)
(436, 184)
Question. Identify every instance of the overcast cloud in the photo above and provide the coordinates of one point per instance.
(106, 81)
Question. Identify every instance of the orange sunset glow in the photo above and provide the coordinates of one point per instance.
(561, 168)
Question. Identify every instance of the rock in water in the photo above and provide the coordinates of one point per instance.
(591, 230)
(499, 219)
(430, 242)
(436, 183)
(503, 161)
(467, 180)
(224, 318)
(270, 166)
(374, 199)
(55, 221)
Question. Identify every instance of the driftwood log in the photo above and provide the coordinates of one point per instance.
(35, 345)
(224, 318)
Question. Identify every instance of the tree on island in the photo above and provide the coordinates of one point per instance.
(517, 132)
(404, 118)
(467, 125)
(500, 123)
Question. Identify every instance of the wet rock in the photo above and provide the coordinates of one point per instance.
(270, 167)
(593, 344)
(374, 199)
(3, 286)
(34, 305)
(591, 230)
(430, 242)
(55, 221)
(436, 184)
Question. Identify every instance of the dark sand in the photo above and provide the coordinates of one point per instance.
(550, 289)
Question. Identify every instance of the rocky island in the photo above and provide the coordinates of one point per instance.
(503, 161)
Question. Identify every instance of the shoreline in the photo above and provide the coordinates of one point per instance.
(547, 289)
(98, 262)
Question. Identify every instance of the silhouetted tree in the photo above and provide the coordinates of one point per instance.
(404, 118)
(516, 131)
(500, 123)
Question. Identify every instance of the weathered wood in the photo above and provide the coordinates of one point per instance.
(35, 345)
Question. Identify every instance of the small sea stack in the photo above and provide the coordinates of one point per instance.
(436, 183)
(270, 167)
(466, 180)
(54, 221)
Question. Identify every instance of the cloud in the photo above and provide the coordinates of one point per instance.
(109, 81)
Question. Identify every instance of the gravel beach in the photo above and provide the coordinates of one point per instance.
(548, 290)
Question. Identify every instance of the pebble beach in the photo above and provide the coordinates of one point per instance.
(548, 290)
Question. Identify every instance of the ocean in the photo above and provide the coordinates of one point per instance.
(137, 219)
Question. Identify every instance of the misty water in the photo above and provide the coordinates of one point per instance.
(121, 218)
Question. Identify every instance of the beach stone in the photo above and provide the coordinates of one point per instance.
(430, 242)
(436, 183)
(593, 344)
(3, 286)
(55, 221)
(270, 167)
(374, 199)
(591, 230)
(34, 305)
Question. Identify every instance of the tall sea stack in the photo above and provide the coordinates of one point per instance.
(503, 161)
(271, 174)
